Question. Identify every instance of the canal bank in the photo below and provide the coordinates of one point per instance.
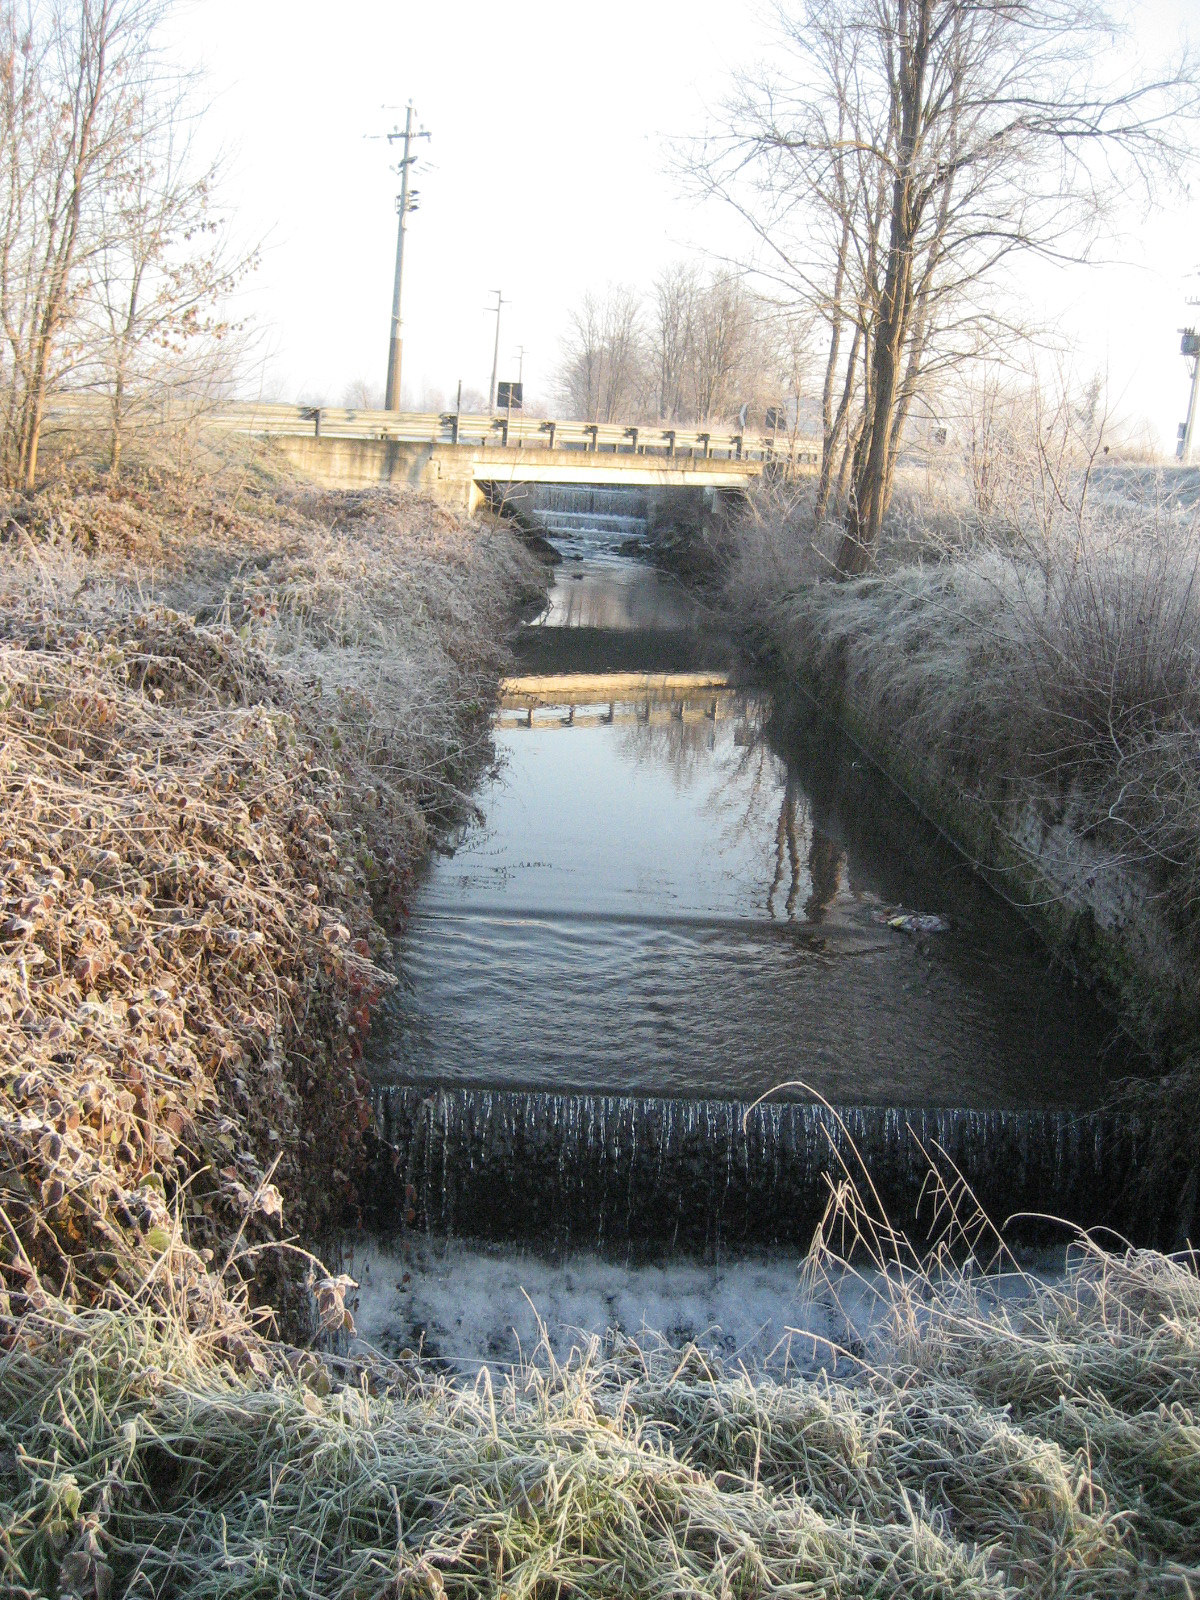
(217, 790)
(973, 1441)
(1041, 718)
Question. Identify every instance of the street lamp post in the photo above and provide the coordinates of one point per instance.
(500, 301)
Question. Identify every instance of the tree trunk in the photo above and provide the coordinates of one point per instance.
(830, 428)
(874, 468)
(838, 427)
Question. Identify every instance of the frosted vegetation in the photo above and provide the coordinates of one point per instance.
(1053, 666)
(231, 711)
(1025, 654)
(218, 700)
(1045, 1449)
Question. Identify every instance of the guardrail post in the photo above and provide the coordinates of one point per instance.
(738, 443)
(551, 428)
(632, 435)
(594, 429)
(704, 440)
(670, 437)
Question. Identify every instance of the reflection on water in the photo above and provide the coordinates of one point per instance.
(592, 595)
(676, 888)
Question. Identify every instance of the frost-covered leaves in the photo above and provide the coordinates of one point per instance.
(196, 823)
(186, 969)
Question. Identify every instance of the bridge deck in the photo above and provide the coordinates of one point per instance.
(473, 431)
(460, 459)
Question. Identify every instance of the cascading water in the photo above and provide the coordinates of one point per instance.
(588, 521)
(624, 1173)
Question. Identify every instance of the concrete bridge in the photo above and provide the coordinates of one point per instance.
(466, 461)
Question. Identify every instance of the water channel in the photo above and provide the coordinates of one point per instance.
(682, 892)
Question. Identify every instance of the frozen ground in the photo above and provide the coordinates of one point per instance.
(472, 1305)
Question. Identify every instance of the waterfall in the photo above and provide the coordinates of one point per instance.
(618, 1171)
(606, 517)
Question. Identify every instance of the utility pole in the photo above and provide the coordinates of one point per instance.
(500, 301)
(1189, 349)
(406, 201)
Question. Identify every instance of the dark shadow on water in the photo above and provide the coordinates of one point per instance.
(584, 649)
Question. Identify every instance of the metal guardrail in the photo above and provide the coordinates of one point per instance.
(270, 419)
(454, 428)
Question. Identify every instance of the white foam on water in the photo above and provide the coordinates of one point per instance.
(471, 1305)
(474, 1305)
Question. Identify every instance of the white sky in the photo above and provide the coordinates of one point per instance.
(546, 175)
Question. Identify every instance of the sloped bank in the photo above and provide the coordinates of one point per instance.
(1044, 1449)
(1049, 742)
(213, 808)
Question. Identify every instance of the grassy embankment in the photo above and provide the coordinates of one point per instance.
(204, 821)
(1034, 685)
(1054, 1452)
(229, 709)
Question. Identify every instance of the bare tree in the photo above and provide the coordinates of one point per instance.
(698, 352)
(672, 317)
(905, 152)
(603, 369)
(157, 276)
(71, 76)
(729, 355)
(793, 333)
(362, 395)
(113, 263)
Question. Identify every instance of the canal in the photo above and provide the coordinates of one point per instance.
(690, 962)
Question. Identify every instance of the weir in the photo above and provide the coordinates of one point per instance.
(630, 1174)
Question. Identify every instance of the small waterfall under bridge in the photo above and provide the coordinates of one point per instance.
(594, 519)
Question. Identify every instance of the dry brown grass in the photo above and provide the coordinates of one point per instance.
(204, 824)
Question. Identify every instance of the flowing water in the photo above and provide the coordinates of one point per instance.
(681, 893)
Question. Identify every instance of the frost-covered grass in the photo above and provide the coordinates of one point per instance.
(1039, 682)
(1062, 667)
(1048, 1449)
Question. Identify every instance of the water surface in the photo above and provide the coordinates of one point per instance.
(684, 890)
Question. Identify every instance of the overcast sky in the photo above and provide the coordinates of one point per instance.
(546, 175)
